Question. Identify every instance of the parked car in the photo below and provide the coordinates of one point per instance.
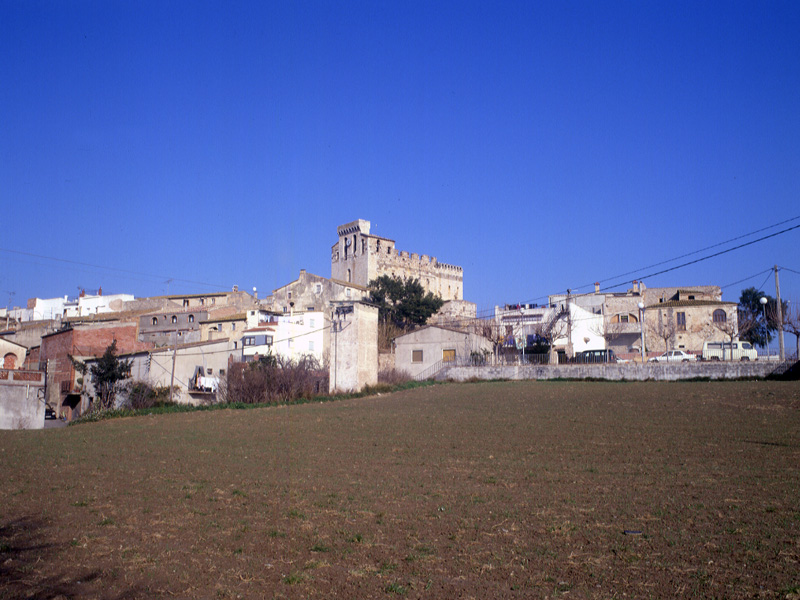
(726, 351)
(674, 356)
(596, 356)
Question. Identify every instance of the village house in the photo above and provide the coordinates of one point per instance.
(431, 347)
(80, 342)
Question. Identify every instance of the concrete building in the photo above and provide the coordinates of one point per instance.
(423, 351)
(289, 336)
(95, 304)
(21, 399)
(212, 357)
(359, 257)
(354, 346)
(570, 328)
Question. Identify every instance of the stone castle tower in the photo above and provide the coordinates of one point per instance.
(359, 257)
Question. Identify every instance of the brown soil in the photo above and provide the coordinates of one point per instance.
(492, 490)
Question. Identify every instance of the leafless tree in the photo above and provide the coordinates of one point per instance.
(554, 327)
(791, 323)
(733, 329)
(664, 328)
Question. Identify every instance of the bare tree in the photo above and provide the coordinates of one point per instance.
(663, 328)
(555, 327)
(735, 328)
(791, 323)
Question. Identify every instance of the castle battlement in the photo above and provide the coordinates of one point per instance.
(360, 257)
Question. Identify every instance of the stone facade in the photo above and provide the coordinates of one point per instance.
(354, 346)
(359, 257)
(692, 314)
(161, 329)
(312, 293)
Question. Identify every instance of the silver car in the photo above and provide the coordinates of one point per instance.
(674, 356)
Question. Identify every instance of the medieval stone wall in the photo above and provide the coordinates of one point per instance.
(359, 257)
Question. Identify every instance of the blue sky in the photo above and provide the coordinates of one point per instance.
(540, 145)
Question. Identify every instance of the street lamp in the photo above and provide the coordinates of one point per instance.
(763, 302)
(641, 326)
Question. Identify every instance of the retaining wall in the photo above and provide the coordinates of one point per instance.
(614, 372)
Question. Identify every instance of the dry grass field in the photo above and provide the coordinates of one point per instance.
(480, 490)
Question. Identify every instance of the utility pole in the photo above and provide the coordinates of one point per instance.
(779, 314)
(174, 354)
(569, 324)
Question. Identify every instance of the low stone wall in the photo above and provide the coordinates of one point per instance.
(20, 405)
(614, 372)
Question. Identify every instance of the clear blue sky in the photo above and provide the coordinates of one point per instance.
(540, 145)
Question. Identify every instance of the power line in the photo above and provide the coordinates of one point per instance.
(114, 269)
(663, 262)
(640, 277)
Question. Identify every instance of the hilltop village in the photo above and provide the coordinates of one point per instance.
(189, 343)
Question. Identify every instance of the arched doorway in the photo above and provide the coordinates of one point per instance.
(10, 361)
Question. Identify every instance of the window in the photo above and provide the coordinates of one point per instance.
(174, 319)
(416, 356)
(291, 342)
(233, 326)
(719, 316)
(268, 340)
(318, 288)
(186, 302)
(290, 295)
(219, 326)
(235, 345)
(312, 323)
(191, 318)
(681, 320)
(623, 318)
(310, 345)
(209, 371)
(202, 301)
(222, 371)
(155, 320)
(347, 292)
(349, 276)
(449, 356)
(248, 341)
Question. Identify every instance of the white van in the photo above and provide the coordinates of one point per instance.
(726, 351)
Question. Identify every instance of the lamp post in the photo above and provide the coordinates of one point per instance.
(763, 302)
(641, 326)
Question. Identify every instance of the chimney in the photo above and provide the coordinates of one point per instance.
(635, 286)
(100, 291)
(596, 287)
